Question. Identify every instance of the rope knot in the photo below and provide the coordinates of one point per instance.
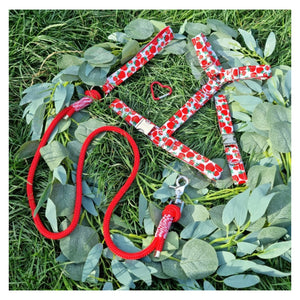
(93, 94)
(172, 210)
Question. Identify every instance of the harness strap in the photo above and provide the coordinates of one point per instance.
(232, 151)
(166, 142)
(161, 40)
(207, 57)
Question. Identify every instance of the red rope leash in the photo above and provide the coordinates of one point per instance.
(170, 214)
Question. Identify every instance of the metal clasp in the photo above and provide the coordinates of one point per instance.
(228, 139)
(179, 190)
(144, 126)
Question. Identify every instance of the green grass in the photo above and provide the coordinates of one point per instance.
(36, 40)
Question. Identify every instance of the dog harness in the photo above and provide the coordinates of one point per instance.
(160, 136)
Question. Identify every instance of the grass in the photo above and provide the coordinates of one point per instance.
(36, 39)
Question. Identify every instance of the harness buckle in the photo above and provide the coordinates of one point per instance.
(229, 139)
(144, 126)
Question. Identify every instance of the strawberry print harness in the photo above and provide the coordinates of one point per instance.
(162, 136)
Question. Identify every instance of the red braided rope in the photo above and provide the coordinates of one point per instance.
(171, 212)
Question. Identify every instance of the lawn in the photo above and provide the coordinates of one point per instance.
(37, 41)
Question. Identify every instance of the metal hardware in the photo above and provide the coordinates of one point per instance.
(144, 126)
(179, 190)
(229, 139)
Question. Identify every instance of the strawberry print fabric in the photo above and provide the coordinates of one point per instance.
(217, 77)
(169, 143)
(232, 151)
(207, 57)
(147, 53)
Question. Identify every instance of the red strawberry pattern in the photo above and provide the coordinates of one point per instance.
(162, 136)
(169, 143)
(161, 40)
(232, 152)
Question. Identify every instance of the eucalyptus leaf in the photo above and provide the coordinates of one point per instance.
(53, 154)
(258, 175)
(142, 208)
(194, 29)
(280, 136)
(94, 77)
(192, 213)
(119, 37)
(252, 142)
(73, 270)
(63, 197)
(242, 281)
(27, 149)
(248, 102)
(130, 49)
(271, 234)
(60, 174)
(248, 39)
(51, 214)
(89, 206)
(91, 261)
(176, 47)
(236, 209)
(199, 259)
(259, 116)
(207, 286)
(244, 248)
(220, 26)
(68, 60)
(270, 44)
(279, 210)
(139, 29)
(37, 122)
(123, 243)
(138, 269)
(121, 273)
(224, 257)
(85, 128)
(259, 201)
(275, 250)
(97, 56)
(43, 198)
(77, 245)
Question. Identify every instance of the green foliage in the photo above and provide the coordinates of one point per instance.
(226, 234)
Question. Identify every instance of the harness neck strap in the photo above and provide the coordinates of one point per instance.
(161, 40)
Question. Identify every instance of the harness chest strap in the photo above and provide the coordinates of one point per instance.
(232, 151)
(168, 143)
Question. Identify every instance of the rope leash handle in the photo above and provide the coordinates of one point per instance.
(170, 214)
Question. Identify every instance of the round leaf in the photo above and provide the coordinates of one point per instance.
(53, 154)
(97, 56)
(78, 244)
(199, 259)
(280, 136)
(241, 281)
(139, 29)
(253, 142)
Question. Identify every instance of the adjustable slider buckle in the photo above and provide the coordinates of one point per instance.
(144, 126)
(228, 139)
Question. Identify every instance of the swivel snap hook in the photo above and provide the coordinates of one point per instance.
(179, 190)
